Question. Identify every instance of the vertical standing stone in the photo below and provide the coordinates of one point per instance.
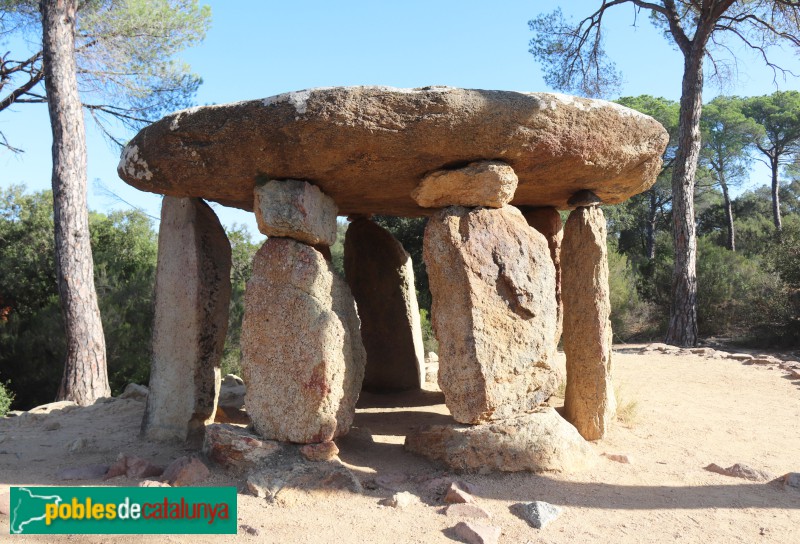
(193, 290)
(302, 357)
(381, 277)
(548, 222)
(494, 313)
(589, 403)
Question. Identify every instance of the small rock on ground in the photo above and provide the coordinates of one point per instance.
(59, 407)
(235, 448)
(87, 472)
(153, 483)
(392, 481)
(467, 511)
(791, 479)
(324, 451)
(765, 360)
(260, 484)
(133, 467)
(134, 391)
(79, 444)
(185, 471)
(52, 426)
(538, 513)
(293, 473)
(5, 503)
(740, 470)
(247, 528)
(477, 533)
(400, 500)
(740, 356)
(441, 484)
(456, 495)
(618, 457)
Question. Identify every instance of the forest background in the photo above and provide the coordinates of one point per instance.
(748, 273)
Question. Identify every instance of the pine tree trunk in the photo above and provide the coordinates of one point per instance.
(683, 312)
(85, 376)
(776, 197)
(651, 226)
(728, 214)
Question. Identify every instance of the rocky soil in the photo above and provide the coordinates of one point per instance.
(681, 412)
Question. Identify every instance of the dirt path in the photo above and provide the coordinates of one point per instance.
(691, 411)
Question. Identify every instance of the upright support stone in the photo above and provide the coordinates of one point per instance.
(302, 357)
(589, 403)
(193, 290)
(381, 277)
(494, 313)
(548, 222)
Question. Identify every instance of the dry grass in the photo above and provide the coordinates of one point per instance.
(561, 390)
(627, 408)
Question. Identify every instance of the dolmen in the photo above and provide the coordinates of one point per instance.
(492, 170)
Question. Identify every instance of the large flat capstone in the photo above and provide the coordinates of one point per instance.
(370, 147)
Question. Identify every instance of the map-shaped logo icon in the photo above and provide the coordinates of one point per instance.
(28, 509)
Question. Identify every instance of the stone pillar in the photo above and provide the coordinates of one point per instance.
(589, 403)
(193, 290)
(302, 356)
(548, 222)
(493, 281)
(381, 277)
(494, 313)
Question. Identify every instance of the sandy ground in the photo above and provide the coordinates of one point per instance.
(692, 411)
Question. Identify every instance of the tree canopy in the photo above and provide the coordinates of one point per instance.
(659, 196)
(779, 139)
(573, 58)
(727, 137)
(125, 50)
(125, 247)
(573, 55)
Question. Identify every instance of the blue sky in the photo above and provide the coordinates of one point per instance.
(260, 48)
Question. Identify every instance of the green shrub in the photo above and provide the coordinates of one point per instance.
(243, 249)
(125, 249)
(784, 255)
(32, 343)
(428, 338)
(783, 308)
(410, 231)
(630, 315)
(753, 234)
(6, 398)
(736, 295)
(337, 249)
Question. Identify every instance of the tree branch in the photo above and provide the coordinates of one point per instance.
(760, 49)
(4, 143)
(18, 65)
(649, 5)
(115, 111)
(676, 28)
(21, 90)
